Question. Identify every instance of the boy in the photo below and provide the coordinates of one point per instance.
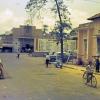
(89, 70)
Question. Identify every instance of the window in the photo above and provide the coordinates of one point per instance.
(28, 29)
(98, 31)
(85, 45)
(98, 45)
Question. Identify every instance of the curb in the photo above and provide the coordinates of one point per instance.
(78, 67)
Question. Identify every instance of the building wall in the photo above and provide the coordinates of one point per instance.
(50, 45)
(72, 46)
(47, 45)
(24, 35)
(7, 39)
(96, 34)
(89, 32)
(30, 35)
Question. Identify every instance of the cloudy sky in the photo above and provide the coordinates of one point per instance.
(83, 9)
(12, 12)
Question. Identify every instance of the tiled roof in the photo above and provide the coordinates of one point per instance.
(94, 17)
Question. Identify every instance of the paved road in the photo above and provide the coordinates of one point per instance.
(29, 79)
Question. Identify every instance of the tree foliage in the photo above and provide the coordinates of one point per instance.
(33, 6)
(64, 24)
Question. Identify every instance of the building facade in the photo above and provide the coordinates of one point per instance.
(26, 37)
(21, 39)
(6, 43)
(89, 38)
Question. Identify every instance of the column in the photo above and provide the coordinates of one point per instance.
(80, 44)
(89, 43)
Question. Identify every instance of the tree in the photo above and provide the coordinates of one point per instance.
(59, 9)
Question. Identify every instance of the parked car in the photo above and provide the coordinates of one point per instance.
(67, 56)
(52, 59)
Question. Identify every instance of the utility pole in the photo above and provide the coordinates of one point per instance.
(61, 29)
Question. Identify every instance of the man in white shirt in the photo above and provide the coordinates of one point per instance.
(47, 60)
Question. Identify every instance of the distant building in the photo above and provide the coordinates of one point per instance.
(6, 43)
(25, 38)
(89, 38)
(21, 39)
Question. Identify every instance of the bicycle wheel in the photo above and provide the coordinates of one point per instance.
(94, 82)
(84, 77)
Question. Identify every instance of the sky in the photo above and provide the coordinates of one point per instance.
(13, 14)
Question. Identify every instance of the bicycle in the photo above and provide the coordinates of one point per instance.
(92, 81)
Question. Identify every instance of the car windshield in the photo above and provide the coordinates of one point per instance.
(59, 54)
(52, 56)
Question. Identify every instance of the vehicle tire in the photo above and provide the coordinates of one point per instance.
(94, 82)
(57, 65)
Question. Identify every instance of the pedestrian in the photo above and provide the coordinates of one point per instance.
(97, 64)
(1, 70)
(18, 55)
(47, 60)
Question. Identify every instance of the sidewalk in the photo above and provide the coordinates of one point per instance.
(77, 67)
(74, 67)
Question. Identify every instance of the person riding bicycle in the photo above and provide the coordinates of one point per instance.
(89, 70)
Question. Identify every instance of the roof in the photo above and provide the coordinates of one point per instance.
(94, 17)
(7, 45)
(24, 37)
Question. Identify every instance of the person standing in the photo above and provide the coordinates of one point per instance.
(47, 60)
(18, 54)
(1, 70)
(97, 64)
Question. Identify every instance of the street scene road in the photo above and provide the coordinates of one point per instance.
(27, 78)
